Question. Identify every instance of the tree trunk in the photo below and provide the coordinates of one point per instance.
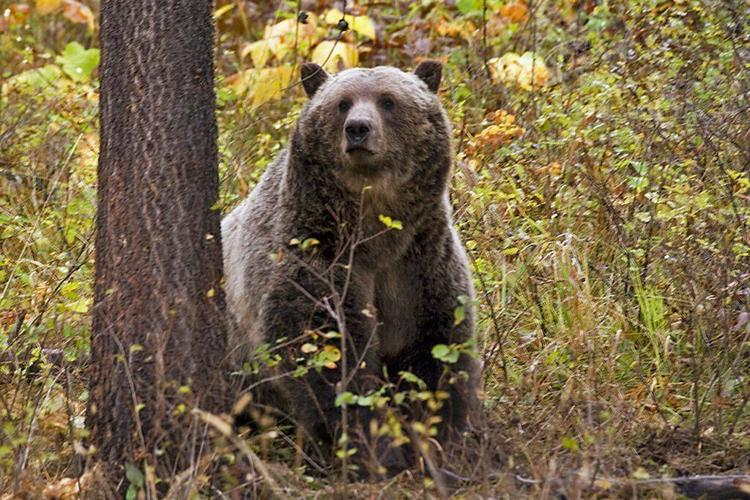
(159, 334)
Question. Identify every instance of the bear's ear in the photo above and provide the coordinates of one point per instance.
(430, 72)
(313, 76)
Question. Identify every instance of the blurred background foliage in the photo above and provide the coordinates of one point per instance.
(602, 188)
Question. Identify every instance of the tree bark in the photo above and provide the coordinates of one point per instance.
(159, 335)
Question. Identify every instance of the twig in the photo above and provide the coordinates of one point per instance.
(226, 430)
(17, 327)
(484, 40)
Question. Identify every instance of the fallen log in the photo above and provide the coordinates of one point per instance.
(729, 487)
(708, 487)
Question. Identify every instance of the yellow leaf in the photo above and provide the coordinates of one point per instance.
(447, 28)
(363, 25)
(223, 10)
(333, 16)
(554, 168)
(241, 81)
(641, 473)
(259, 51)
(329, 53)
(505, 68)
(497, 135)
(283, 28)
(44, 7)
(280, 37)
(307, 348)
(332, 356)
(332, 352)
(268, 83)
(528, 71)
(237, 81)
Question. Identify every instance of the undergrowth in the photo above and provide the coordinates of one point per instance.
(604, 201)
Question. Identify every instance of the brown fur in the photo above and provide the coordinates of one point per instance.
(332, 183)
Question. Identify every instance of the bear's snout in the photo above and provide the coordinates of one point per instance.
(356, 131)
(361, 133)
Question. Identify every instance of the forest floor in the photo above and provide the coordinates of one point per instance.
(601, 188)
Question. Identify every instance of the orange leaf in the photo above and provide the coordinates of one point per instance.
(78, 13)
(44, 7)
(19, 12)
(515, 12)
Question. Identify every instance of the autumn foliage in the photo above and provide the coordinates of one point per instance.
(601, 186)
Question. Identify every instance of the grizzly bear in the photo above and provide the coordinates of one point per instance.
(345, 253)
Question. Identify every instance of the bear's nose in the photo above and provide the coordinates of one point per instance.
(357, 131)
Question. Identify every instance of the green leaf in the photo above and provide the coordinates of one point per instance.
(134, 475)
(80, 306)
(35, 79)
(78, 63)
(570, 443)
(346, 453)
(390, 223)
(413, 379)
(459, 315)
(309, 242)
(469, 6)
(444, 353)
(365, 400)
(345, 398)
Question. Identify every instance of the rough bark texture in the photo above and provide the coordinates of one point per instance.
(159, 308)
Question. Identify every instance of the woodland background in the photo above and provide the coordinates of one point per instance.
(602, 188)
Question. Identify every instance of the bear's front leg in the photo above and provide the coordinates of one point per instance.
(458, 379)
(327, 338)
(443, 284)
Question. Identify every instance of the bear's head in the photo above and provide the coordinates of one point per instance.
(378, 126)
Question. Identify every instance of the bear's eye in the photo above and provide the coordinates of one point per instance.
(344, 105)
(387, 103)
